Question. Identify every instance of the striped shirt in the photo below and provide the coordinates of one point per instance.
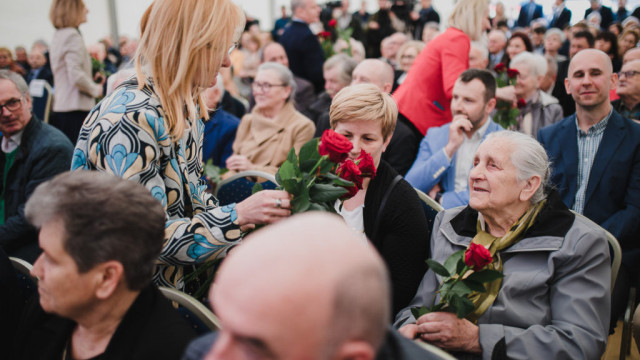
(588, 143)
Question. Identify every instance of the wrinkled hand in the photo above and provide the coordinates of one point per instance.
(239, 163)
(373, 25)
(447, 331)
(262, 208)
(410, 331)
(507, 93)
(459, 125)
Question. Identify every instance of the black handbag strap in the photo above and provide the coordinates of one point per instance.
(376, 224)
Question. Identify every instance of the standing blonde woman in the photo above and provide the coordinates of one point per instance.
(76, 89)
(424, 97)
(150, 130)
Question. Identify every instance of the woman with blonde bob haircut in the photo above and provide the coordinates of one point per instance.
(387, 211)
(424, 98)
(150, 130)
(76, 87)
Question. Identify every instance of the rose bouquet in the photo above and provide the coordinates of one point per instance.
(322, 173)
(463, 273)
(506, 113)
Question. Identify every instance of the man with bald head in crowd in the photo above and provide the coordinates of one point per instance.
(310, 273)
(631, 54)
(596, 157)
(497, 45)
(304, 96)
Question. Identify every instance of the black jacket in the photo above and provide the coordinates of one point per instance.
(402, 237)
(151, 329)
(43, 153)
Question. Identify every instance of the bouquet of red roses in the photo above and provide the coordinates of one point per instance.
(463, 273)
(322, 173)
(506, 113)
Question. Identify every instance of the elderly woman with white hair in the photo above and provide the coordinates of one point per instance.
(553, 301)
(540, 109)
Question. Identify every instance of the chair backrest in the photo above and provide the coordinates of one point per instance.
(27, 284)
(197, 315)
(238, 187)
(434, 350)
(431, 207)
(41, 95)
(615, 247)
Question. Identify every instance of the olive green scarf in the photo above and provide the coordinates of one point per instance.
(482, 301)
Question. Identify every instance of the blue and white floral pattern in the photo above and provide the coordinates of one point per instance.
(126, 135)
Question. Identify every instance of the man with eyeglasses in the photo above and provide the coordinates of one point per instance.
(32, 152)
(596, 162)
(629, 91)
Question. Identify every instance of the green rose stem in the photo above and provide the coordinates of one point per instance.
(313, 171)
(455, 281)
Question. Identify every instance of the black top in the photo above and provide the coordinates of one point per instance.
(403, 235)
(151, 329)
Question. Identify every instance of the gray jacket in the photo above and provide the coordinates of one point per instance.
(555, 297)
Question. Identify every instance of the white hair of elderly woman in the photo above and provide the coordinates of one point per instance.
(529, 158)
(536, 63)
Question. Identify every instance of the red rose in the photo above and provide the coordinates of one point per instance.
(324, 34)
(512, 73)
(501, 67)
(366, 165)
(335, 145)
(477, 256)
(521, 103)
(349, 171)
(333, 23)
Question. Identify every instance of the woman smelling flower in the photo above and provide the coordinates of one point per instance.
(386, 210)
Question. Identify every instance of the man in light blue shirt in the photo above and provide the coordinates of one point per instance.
(446, 153)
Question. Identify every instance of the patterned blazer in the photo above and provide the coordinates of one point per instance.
(127, 135)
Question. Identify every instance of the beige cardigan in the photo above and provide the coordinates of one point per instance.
(71, 66)
(266, 142)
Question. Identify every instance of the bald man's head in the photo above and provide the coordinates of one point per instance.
(309, 267)
(374, 71)
(631, 54)
(589, 79)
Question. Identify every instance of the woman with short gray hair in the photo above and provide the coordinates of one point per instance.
(538, 109)
(554, 298)
(273, 127)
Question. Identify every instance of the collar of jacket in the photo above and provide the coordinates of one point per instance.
(547, 232)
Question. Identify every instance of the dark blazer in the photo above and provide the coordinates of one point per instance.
(402, 237)
(523, 18)
(561, 20)
(613, 192)
(304, 52)
(43, 153)
(560, 92)
(151, 329)
(44, 74)
(605, 13)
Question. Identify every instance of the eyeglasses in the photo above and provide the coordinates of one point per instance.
(11, 105)
(233, 47)
(628, 74)
(264, 86)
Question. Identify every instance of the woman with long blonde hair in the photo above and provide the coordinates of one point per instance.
(150, 130)
(425, 95)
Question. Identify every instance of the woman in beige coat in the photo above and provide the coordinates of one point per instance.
(76, 90)
(266, 135)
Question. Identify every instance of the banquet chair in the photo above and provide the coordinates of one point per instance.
(239, 186)
(42, 101)
(27, 284)
(431, 207)
(201, 319)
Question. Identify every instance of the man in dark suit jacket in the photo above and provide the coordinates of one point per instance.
(561, 15)
(528, 12)
(302, 46)
(606, 14)
(596, 159)
(40, 68)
